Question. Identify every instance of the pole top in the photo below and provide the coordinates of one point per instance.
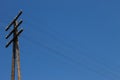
(13, 20)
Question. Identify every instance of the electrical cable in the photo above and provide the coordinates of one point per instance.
(65, 57)
(71, 47)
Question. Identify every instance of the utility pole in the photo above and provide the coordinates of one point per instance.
(14, 40)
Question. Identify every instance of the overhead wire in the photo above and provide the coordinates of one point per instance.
(35, 42)
(71, 47)
(108, 68)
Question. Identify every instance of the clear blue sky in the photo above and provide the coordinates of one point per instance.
(64, 39)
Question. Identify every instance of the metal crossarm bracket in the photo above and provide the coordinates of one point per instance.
(14, 38)
(13, 21)
(13, 30)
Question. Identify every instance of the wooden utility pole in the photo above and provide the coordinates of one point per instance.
(14, 40)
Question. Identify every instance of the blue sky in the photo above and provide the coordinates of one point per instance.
(64, 40)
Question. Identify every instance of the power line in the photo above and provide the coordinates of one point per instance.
(65, 56)
(107, 68)
(73, 47)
